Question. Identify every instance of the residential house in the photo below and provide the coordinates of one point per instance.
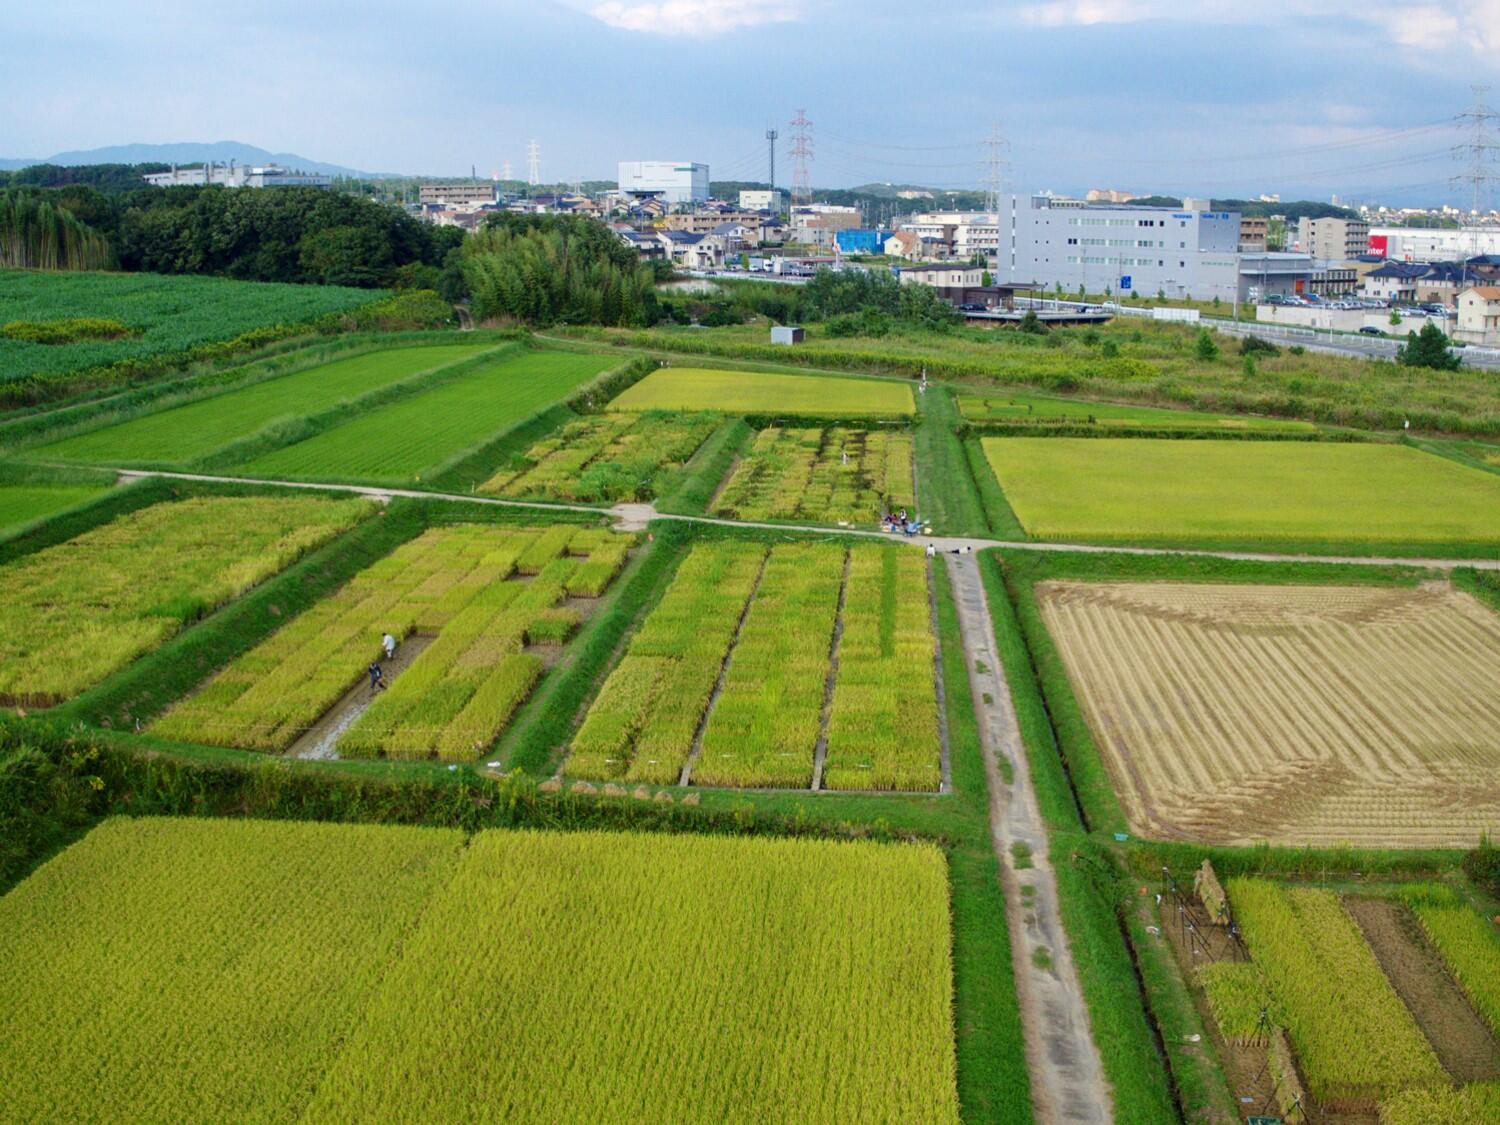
(902, 244)
(1479, 315)
(1394, 281)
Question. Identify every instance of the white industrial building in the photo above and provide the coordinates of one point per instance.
(671, 181)
(1433, 244)
(773, 200)
(1121, 249)
(237, 175)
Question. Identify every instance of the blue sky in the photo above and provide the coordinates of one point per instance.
(1295, 97)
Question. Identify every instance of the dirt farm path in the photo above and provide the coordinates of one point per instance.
(1067, 1079)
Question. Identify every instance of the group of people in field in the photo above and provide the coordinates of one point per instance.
(377, 673)
(898, 521)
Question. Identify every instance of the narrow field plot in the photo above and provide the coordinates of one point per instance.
(612, 977)
(22, 503)
(1356, 1042)
(883, 722)
(606, 457)
(404, 439)
(185, 433)
(1044, 410)
(757, 392)
(741, 673)
(831, 476)
(82, 609)
(643, 723)
(1163, 489)
(1470, 947)
(201, 970)
(764, 728)
(1298, 714)
(488, 597)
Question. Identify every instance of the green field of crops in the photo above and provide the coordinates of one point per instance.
(169, 314)
(756, 392)
(22, 503)
(185, 433)
(84, 608)
(1162, 489)
(209, 970)
(1044, 409)
(401, 441)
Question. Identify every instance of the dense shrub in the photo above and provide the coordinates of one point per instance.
(65, 330)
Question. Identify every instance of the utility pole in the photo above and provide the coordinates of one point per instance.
(802, 152)
(1481, 171)
(533, 163)
(505, 171)
(771, 135)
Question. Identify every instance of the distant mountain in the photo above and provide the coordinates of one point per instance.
(190, 152)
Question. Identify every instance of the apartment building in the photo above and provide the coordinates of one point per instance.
(466, 193)
(1333, 239)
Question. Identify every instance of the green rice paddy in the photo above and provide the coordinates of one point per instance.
(1145, 490)
(22, 503)
(187, 432)
(401, 441)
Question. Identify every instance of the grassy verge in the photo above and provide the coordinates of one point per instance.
(701, 475)
(945, 484)
(997, 510)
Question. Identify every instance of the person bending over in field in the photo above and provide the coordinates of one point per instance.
(388, 642)
(377, 677)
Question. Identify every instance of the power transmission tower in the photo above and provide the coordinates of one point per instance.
(802, 152)
(1480, 170)
(505, 170)
(533, 163)
(771, 135)
(995, 147)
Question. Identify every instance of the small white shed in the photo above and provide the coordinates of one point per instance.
(786, 334)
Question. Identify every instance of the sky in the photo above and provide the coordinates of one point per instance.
(1301, 98)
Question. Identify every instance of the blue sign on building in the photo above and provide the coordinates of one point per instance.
(1125, 282)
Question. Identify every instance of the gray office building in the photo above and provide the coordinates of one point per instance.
(1123, 249)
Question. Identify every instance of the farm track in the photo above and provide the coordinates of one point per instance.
(1067, 1077)
(635, 516)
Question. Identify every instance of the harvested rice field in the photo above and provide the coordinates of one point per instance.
(793, 666)
(759, 392)
(1232, 714)
(833, 475)
(606, 457)
(202, 971)
(486, 604)
(1163, 489)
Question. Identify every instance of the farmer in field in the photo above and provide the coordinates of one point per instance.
(388, 642)
(377, 677)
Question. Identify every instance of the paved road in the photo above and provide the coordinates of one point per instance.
(1067, 1078)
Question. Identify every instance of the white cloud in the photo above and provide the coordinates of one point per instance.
(1071, 13)
(694, 17)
